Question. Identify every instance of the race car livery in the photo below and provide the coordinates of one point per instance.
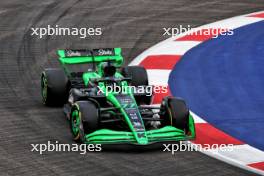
(100, 114)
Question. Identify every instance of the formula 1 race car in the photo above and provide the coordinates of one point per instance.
(100, 114)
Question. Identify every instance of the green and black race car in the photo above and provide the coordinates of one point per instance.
(98, 115)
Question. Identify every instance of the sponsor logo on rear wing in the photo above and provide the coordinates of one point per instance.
(72, 56)
(88, 53)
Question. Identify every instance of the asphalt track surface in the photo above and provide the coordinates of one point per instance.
(132, 25)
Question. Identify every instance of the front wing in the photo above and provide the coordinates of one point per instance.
(167, 133)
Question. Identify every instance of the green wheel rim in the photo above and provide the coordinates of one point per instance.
(44, 88)
(75, 122)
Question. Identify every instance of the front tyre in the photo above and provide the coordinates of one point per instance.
(84, 119)
(175, 113)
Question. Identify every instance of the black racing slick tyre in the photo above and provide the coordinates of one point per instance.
(84, 119)
(139, 77)
(175, 113)
(138, 74)
(54, 87)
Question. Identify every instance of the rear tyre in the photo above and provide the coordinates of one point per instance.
(54, 89)
(84, 119)
(138, 74)
(139, 78)
(175, 113)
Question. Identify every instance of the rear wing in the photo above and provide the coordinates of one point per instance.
(70, 56)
